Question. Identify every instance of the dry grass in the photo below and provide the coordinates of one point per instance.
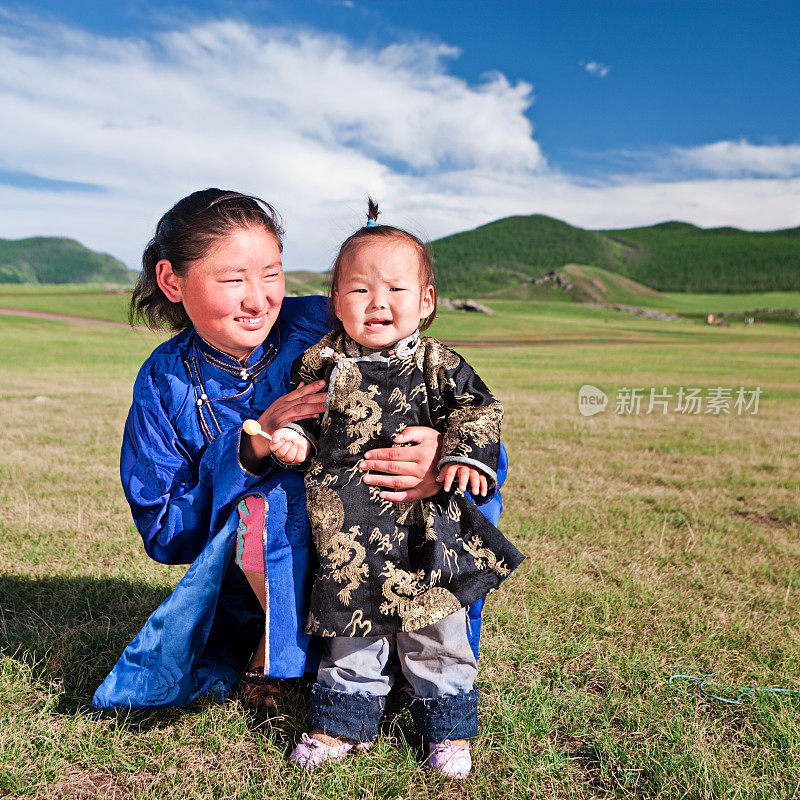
(655, 545)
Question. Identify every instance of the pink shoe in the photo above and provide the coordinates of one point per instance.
(450, 759)
(311, 752)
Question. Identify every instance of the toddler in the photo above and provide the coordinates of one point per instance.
(394, 575)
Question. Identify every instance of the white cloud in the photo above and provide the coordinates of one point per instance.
(309, 121)
(303, 118)
(738, 158)
(474, 199)
(596, 68)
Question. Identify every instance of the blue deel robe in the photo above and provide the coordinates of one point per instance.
(182, 477)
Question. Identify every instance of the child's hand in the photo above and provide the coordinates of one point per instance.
(304, 402)
(464, 476)
(289, 446)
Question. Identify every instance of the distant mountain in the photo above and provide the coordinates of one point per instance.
(54, 260)
(671, 256)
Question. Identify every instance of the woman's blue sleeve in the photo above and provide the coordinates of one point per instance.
(178, 501)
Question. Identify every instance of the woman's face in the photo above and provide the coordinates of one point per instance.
(233, 294)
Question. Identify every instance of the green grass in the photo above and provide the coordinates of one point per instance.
(302, 282)
(95, 302)
(596, 285)
(537, 313)
(655, 544)
(524, 321)
(721, 303)
(541, 312)
(66, 289)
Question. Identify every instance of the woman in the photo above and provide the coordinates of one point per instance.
(196, 486)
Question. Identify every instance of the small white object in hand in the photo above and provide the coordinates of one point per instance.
(252, 428)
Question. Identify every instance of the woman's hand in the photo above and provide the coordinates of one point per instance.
(307, 400)
(410, 472)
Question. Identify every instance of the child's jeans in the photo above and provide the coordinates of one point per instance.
(355, 676)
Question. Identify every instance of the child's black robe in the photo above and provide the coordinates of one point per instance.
(389, 566)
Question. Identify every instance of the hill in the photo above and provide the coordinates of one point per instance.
(671, 256)
(597, 285)
(55, 260)
(300, 282)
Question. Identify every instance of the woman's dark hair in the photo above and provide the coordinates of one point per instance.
(186, 233)
(373, 232)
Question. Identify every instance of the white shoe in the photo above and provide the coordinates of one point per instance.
(311, 752)
(453, 760)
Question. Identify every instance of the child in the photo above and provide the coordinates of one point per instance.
(394, 574)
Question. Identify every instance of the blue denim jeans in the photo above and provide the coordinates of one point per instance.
(355, 676)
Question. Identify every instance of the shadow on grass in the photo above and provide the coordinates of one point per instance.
(72, 630)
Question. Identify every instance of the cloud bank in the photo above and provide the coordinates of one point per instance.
(741, 158)
(103, 134)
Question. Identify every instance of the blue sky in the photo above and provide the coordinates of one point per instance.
(606, 114)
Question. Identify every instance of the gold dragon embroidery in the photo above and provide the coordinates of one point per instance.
(381, 540)
(386, 506)
(366, 416)
(360, 626)
(314, 361)
(326, 512)
(450, 558)
(471, 425)
(345, 559)
(385, 542)
(400, 587)
(435, 604)
(453, 511)
(484, 557)
(399, 399)
(359, 407)
(430, 524)
(416, 604)
(421, 391)
(340, 552)
(410, 513)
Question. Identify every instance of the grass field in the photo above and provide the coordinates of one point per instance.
(656, 544)
(519, 317)
(82, 300)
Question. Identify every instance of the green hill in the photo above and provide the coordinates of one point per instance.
(54, 260)
(677, 256)
(671, 256)
(301, 282)
(596, 285)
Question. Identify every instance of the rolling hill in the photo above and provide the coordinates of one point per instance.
(55, 260)
(670, 256)
(299, 282)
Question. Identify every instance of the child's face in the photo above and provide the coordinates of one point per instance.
(379, 298)
(233, 294)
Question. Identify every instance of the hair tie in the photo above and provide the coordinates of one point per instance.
(370, 223)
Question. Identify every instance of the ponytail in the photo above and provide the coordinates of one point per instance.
(373, 231)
